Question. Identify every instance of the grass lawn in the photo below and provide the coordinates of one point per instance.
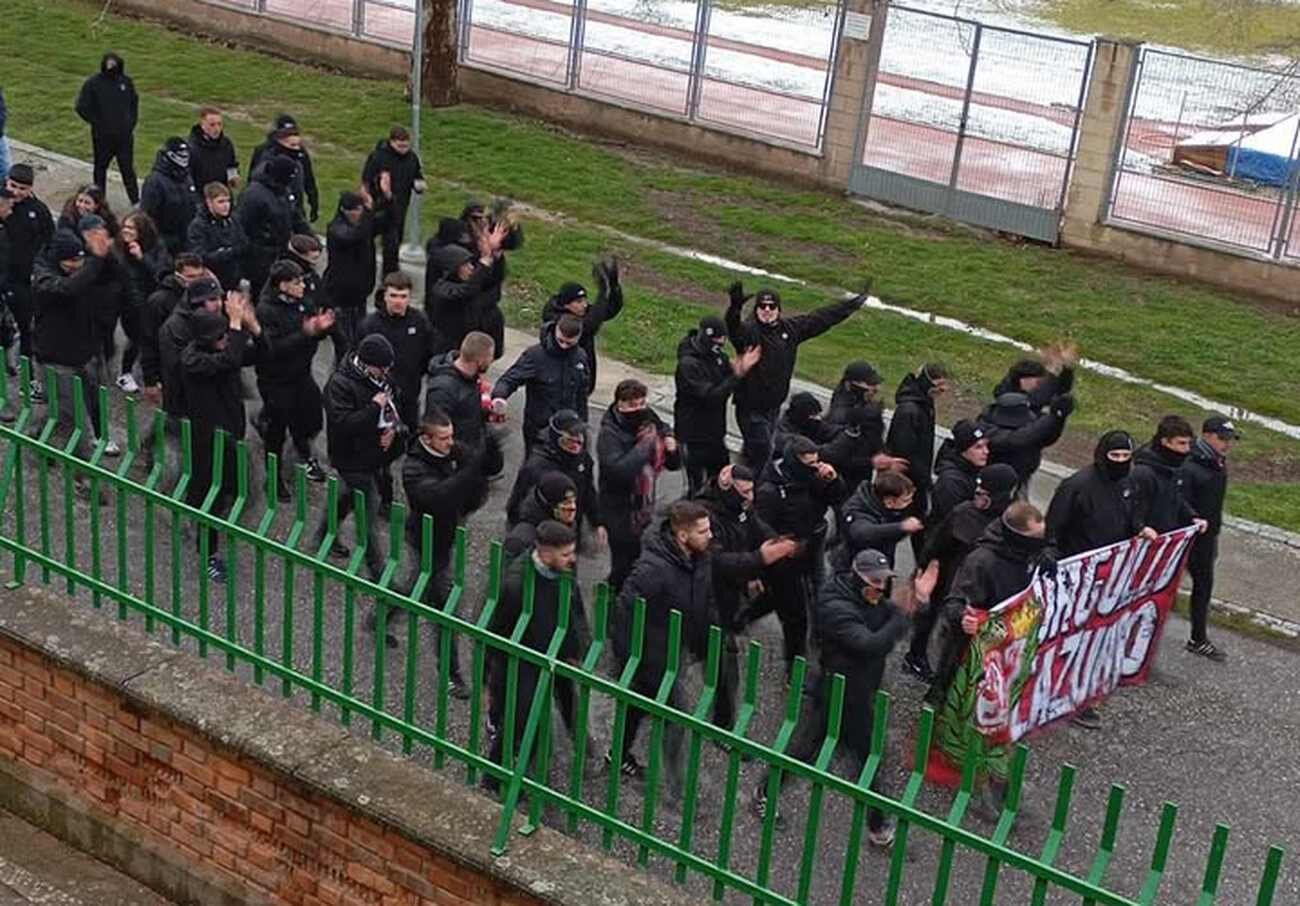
(1245, 27)
(1232, 349)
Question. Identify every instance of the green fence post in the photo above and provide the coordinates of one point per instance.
(232, 561)
(479, 656)
(613, 789)
(287, 601)
(650, 799)
(853, 848)
(318, 587)
(834, 722)
(582, 741)
(1056, 836)
(1010, 806)
(447, 638)
(542, 763)
(1114, 806)
(1268, 884)
(924, 732)
(259, 564)
(92, 503)
(507, 728)
(793, 700)
(378, 689)
(411, 678)
(17, 483)
(123, 469)
(205, 533)
(1214, 866)
(179, 494)
(159, 441)
(956, 814)
(1160, 856)
(69, 516)
(360, 520)
(748, 705)
(712, 666)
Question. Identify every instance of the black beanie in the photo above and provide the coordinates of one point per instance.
(570, 292)
(711, 327)
(375, 350)
(201, 290)
(861, 373)
(803, 406)
(796, 446)
(965, 433)
(209, 326)
(741, 472)
(23, 174)
(554, 487)
(350, 201)
(768, 295)
(66, 245)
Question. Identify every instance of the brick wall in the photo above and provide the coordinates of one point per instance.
(212, 791)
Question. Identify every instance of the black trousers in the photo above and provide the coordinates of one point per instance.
(22, 308)
(347, 319)
(1200, 567)
(702, 461)
(391, 241)
(121, 148)
(368, 484)
(526, 687)
(203, 454)
(758, 428)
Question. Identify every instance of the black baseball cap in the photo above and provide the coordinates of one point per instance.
(872, 564)
(1222, 426)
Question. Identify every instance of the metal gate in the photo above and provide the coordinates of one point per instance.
(975, 122)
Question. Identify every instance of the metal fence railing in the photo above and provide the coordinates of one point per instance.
(286, 619)
(1210, 152)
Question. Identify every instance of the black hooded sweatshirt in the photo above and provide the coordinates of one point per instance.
(954, 480)
(1000, 565)
(30, 228)
(211, 159)
(457, 395)
(350, 247)
(767, 384)
(1205, 483)
(738, 533)
(852, 451)
(954, 538)
(303, 184)
(108, 102)
(538, 632)
(221, 243)
(622, 461)
(268, 218)
(865, 522)
(175, 334)
(168, 196)
(1160, 479)
(548, 456)
(67, 330)
(911, 429)
(1094, 507)
(554, 378)
(155, 312)
(608, 304)
(214, 393)
(403, 171)
(791, 499)
(287, 352)
(442, 487)
(1021, 446)
(704, 381)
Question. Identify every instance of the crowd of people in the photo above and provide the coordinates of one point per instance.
(213, 272)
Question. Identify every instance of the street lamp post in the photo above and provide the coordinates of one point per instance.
(413, 250)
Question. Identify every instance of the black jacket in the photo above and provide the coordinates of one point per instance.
(211, 159)
(539, 631)
(554, 379)
(214, 393)
(221, 243)
(796, 505)
(951, 540)
(861, 434)
(1160, 481)
(141, 276)
(287, 352)
(303, 184)
(109, 103)
(268, 216)
(1000, 565)
(1022, 447)
(738, 533)
(460, 398)
(667, 579)
(352, 421)
(954, 481)
(168, 196)
(30, 228)
(67, 327)
(442, 487)
(454, 307)
(350, 247)
(865, 522)
(607, 306)
(767, 384)
(704, 382)
(548, 456)
(1053, 385)
(153, 314)
(6, 257)
(533, 511)
(1205, 482)
(1090, 510)
(623, 461)
(412, 342)
(911, 429)
(403, 171)
(174, 335)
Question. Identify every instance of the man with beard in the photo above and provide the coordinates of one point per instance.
(793, 494)
(705, 379)
(946, 547)
(391, 173)
(957, 467)
(673, 571)
(169, 196)
(218, 237)
(292, 329)
(554, 375)
(458, 387)
(1205, 474)
(760, 394)
(859, 625)
(1018, 433)
(269, 215)
(109, 104)
(30, 228)
(1098, 505)
(876, 516)
(284, 142)
(911, 434)
(562, 448)
(350, 274)
(553, 497)
(212, 153)
(169, 296)
(572, 299)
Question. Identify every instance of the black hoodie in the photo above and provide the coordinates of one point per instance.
(30, 228)
(856, 638)
(108, 102)
(211, 159)
(457, 395)
(911, 429)
(303, 184)
(287, 352)
(865, 522)
(268, 218)
(221, 243)
(155, 312)
(954, 538)
(1021, 446)
(623, 459)
(403, 171)
(66, 326)
(442, 487)
(1000, 565)
(794, 503)
(412, 342)
(214, 393)
(548, 456)
(350, 247)
(1160, 480)
(554, 378)
(1205, 483)
(609, 302)
(954, 480)
(1092, 509)
(738, 533)
(168, 196)
(704, 381)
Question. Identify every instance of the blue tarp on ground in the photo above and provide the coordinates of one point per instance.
(1269, 156)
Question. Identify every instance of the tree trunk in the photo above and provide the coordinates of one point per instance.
(441, 72)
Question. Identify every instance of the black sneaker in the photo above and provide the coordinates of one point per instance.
(758, 808)
(1207, 649)
(38, 392)
(315, 472)
(282, 492)
(217, 569)
(458, 689)
(1088, 719)
(630, 767)
(340, 551)
(918, 667)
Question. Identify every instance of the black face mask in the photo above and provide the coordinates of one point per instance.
(636, 419)
(1117, 470)
(798, 470)
(1168, 456)
(733, 500)
(1022, 544)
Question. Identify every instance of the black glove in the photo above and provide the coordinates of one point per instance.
(737, 293)
(862, 297)
(1045, 562)
(315, 213)
(605, 273)
(1065, 380)
(1063, 404)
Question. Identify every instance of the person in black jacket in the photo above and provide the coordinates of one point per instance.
(204, 294)
(911, 433)
(859, 387)
(793, 494)
(292, 328)
(1037, 380)
(957, 467)
(673, 571)
(876, 515)
(364, 434)
(487, 236)
(705, 379)
(214, 396)
(946, 546)
(1157, 469)
(144, 261)
(212, 153)
(548, 565)
(553, 497)
(760, 394)
(561, 447)
(1018, 433)
(109, 104)
(7, 329)
(268, 215)
(803, 415)
(283, 142)
(1205, 482)
(169, 196)
(858, 625)
(218, 237)
(571, 299)
(407, 331)
(634, 447)
(30, 228)
(350, 274)
(554, 375)
(88, 199)
(440, 477)
(157, 308)
(857, 413)
(457, 386)
(391, 173)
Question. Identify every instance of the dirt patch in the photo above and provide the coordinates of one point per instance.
(643, 277)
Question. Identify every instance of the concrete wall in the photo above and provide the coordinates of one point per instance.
(212, 791)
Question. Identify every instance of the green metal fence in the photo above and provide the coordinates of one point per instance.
(131, 527)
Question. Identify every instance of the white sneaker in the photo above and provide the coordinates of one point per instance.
(112, 449)
(126, 383)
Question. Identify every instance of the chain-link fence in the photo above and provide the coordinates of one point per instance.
(1210, 153)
